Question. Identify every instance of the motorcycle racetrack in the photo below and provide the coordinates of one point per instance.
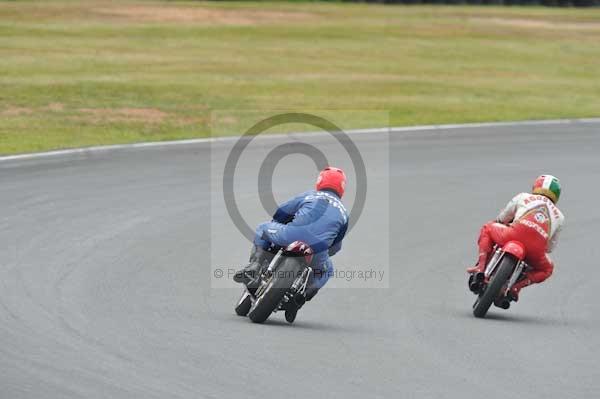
(106, 288)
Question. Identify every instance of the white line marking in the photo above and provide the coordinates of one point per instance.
(95, 149)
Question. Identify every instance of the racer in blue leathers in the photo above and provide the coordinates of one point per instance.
(317, 218)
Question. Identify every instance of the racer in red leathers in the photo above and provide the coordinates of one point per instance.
(533, 219)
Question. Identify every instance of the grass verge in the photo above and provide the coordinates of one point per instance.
(100, 72)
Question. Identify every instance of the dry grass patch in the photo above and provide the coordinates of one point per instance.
(15, 111)
(54, 107)
(139, 115)
(537, 23)
(201, 15)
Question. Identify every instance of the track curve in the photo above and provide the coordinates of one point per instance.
(105, 286)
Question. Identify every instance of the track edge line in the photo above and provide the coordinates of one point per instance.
(401, 129)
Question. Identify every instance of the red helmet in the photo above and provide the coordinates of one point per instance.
(333, 179)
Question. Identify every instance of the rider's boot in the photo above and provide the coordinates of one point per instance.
(310, 293)
(480, 266)
(476, 274)
(291, 310)
(502, 302)
(259, 258)
(513, 293)
(295, 304)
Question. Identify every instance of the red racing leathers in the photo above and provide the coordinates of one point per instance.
(533, 220)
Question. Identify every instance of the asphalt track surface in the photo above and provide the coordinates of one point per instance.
(105, 277)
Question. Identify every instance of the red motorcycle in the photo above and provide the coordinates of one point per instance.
(503, 270)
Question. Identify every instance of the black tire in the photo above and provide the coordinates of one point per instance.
(243, 306)
(498, 281)
(282, 281)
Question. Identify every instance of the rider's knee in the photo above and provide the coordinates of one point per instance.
(321, 275)
(484, 234)
(549, 267)
(260, 228)
(543, 272)
(258, 234)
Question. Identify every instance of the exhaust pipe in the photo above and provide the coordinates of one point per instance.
(476, 282)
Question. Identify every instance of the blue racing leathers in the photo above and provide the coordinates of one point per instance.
(317, 218)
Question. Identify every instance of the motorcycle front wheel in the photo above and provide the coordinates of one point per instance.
(493, 289)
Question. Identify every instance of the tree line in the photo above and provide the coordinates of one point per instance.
(550, 3)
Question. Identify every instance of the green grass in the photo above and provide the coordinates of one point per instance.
(84, 73)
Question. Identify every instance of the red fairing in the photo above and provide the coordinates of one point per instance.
(516, 249)
(302, 249)
(541, 266)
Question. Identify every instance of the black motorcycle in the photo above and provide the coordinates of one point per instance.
(504, 269)
(281, 284)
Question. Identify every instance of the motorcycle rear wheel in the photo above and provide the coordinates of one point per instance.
(498, 281)
(272, 295)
